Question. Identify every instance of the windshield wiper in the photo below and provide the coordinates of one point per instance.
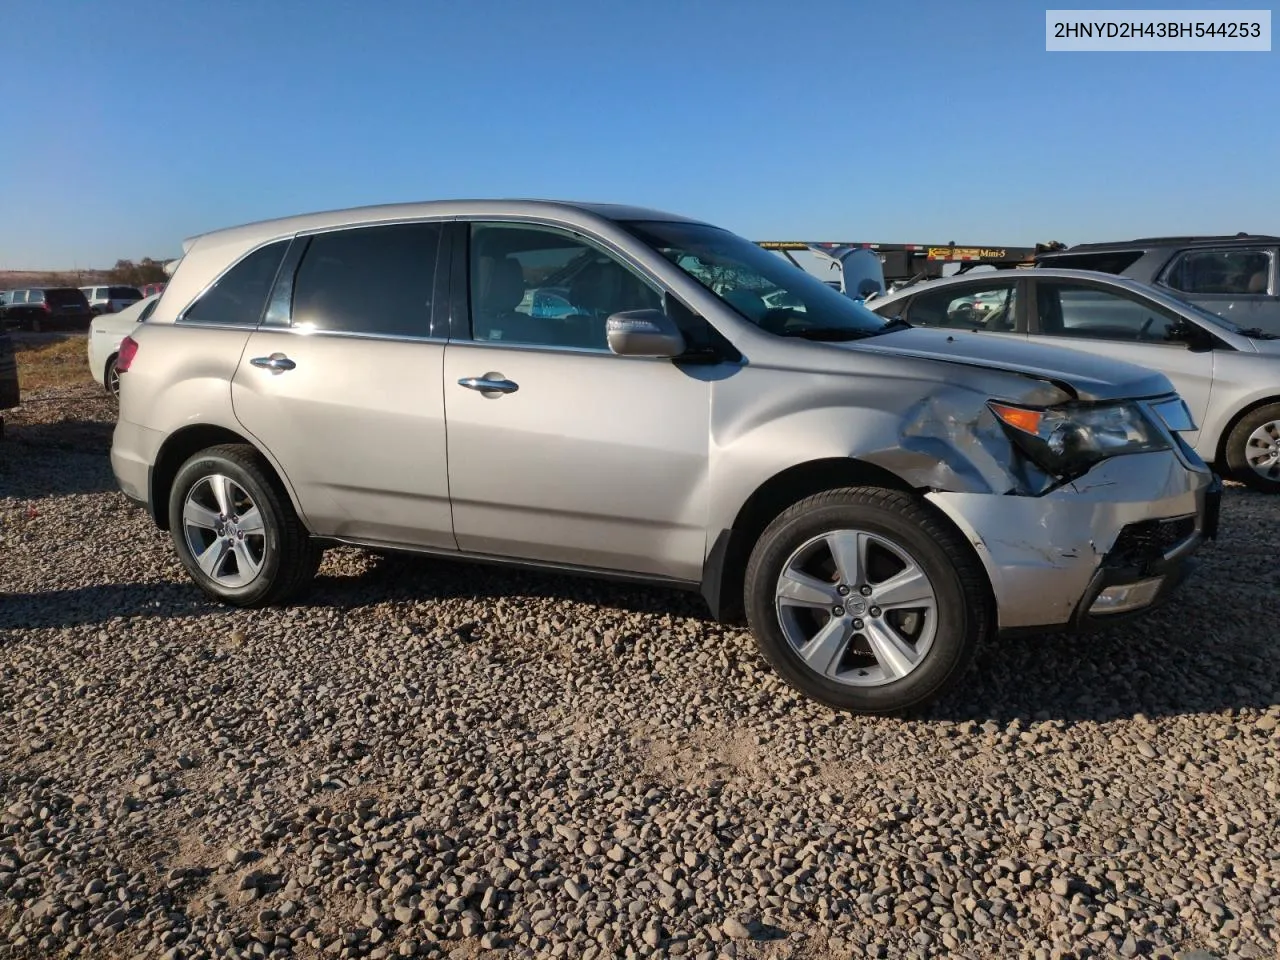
(1257, 333)
(828, 333)
(894, 323)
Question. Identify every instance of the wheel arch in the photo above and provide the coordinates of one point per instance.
(724, 573)
(1220, 452)
(183, 444)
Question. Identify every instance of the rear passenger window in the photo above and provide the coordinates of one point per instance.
(371, 280)
(1238, 272)
(239, 297)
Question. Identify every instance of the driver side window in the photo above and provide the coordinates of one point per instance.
(979, 307)
(545, 287)
(1074, 310)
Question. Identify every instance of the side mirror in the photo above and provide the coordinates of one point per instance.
(644, 333)
(1184, 331)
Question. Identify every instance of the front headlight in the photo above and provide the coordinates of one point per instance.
(1067, 440)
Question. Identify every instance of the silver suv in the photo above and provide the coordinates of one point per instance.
(616, 391)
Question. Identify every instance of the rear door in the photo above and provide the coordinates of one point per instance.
(1115, 323)
(341, 383)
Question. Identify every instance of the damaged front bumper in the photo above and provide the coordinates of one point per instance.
(1116, 541)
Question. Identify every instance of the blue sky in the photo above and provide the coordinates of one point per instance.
(930, 121)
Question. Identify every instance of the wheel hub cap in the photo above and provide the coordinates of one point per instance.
(1262, 450)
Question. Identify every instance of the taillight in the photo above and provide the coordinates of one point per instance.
(44, 305)
(128, 350)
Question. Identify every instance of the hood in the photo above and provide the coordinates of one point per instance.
(1270, 347)
(1088, 376)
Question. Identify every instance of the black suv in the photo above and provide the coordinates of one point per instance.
(46, 307)
(1232, 276)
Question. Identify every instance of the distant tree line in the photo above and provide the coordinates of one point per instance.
(133, 274)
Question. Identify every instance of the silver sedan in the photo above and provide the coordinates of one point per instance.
(1229, 376)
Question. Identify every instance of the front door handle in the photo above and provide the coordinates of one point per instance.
(491, 384)
(276, 363)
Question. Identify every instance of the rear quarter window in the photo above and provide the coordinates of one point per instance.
(124, 293)
(240, 295)
(1231, 271)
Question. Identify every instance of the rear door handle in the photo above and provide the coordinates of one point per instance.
(490, 383)
(276, 363)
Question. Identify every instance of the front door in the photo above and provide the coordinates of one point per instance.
(341, 383)
(1114, 324)
(560, 451)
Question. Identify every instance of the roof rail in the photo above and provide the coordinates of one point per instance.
(1189, 239)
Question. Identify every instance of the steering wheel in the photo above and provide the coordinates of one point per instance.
(775, 319)
(1142, 334)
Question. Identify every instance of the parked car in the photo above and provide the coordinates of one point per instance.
(876, 500)
(47, 308)
(1229, 378)
(1232, 276)
(105, 334)
(111, 299)
(151, 289)
(9, 392)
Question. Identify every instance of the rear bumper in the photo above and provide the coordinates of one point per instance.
(1114, 543)
(133, 451)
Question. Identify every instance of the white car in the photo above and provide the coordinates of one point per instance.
(111, 299)
(105, 333)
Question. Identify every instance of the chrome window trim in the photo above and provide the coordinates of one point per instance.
(368, 224)
(547, 348)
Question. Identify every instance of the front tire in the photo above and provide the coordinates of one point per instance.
(235, 529)
(863, 599)
(1253, 449)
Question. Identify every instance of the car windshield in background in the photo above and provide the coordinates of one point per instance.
(775, 295)
(1202, 313)
(124, 293)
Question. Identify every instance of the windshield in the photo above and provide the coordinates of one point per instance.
(777, 296)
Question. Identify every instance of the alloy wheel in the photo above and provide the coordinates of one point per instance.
(857, 608)
(224, 531)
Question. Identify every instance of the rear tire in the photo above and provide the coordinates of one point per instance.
(111, 378)
(828, 638)
(1253, 449)
(235, 529)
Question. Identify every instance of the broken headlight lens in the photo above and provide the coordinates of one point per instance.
(1066, 441)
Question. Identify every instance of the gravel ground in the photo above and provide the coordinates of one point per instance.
(428, 759)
